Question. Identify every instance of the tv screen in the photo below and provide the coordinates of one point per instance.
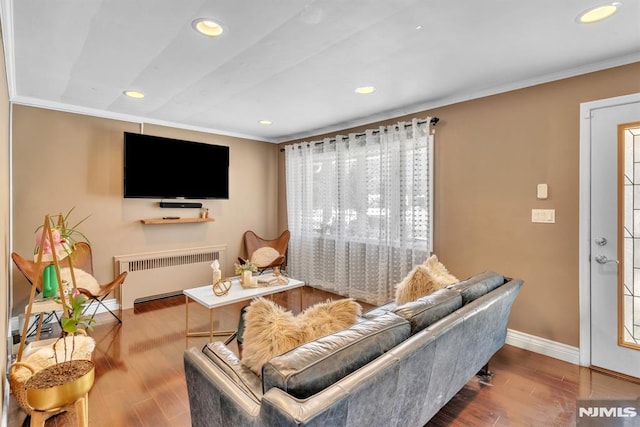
(165, 168)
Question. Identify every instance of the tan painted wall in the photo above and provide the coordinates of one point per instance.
(490, 154)
(4, 223)
(62, 160)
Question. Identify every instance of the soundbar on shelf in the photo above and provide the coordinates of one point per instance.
(180, 205)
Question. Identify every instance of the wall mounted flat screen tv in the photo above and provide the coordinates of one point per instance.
(165, 168)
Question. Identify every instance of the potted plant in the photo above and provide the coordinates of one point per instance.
(245, 271)
(56, 237)
(64, 236)
(68, 380)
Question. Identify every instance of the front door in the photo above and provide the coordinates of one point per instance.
(615, 238)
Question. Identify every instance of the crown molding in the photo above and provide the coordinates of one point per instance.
(467, 96)
(68, 108)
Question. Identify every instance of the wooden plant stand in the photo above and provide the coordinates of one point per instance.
(45, 258)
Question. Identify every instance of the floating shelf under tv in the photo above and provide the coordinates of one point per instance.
(175, 221)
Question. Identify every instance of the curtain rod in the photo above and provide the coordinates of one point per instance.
(434, 121)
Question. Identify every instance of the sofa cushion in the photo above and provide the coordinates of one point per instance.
(478, 285)
(423, 280)
(429, 309)
(377, 311)
(270, 330)
(314, 366)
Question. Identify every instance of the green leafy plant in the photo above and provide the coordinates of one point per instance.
(76, 320)
(64, 236)
(72, 322)
(247, 266)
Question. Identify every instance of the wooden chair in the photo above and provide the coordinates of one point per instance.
(252, 242)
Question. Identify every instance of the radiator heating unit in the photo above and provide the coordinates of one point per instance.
(154, 275)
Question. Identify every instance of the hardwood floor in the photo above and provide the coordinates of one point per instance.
(140, 375)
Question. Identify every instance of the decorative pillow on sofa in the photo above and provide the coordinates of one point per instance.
(326, 318)
(439, 270)
(270, 330)
(423, 280)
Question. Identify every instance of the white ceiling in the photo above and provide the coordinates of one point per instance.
(297, 62)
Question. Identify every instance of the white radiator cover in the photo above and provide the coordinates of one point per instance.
(157, 274)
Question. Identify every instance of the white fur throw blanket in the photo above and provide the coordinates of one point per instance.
(78, 347)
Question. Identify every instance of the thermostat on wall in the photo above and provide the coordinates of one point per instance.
(543, 191)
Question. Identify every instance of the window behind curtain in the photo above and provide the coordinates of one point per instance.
(360, 209)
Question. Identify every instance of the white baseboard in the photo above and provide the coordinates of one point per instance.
(543, 346)
(112, 304)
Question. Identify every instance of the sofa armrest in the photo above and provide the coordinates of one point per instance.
(229, 363)
(215, 398)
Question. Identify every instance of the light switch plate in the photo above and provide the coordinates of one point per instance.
(545, 216)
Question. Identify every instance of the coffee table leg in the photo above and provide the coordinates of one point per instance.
(186, 333)
(210, 325)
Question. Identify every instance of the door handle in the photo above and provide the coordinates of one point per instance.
(602, 259)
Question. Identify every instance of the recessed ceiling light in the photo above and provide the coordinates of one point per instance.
(363, 90)
(598, 13)
(265, 122)
(208, 27)
(134, 94)
(418, 27)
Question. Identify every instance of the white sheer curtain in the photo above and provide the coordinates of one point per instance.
(360, 209)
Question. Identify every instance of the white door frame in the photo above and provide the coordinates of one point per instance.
(584, 266)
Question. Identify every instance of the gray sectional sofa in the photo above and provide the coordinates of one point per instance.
(398, 366)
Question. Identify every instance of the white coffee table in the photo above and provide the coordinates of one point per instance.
(204, 296)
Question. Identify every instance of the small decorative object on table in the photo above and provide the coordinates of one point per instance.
(245, 271)
(272, 279)
(222, 287)
(217, 274)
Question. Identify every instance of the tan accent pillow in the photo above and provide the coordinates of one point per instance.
(84, 280)
(325, 318)
(423, 280)
(438, 270)
(270, 330)
(264, 256)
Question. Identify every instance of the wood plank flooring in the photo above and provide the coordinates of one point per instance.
(140, 375)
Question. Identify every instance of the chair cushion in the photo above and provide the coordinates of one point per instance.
(270, 330)
(427, 310)
(84, 280)
(315, 365)
(478, 285)
(264, 256)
